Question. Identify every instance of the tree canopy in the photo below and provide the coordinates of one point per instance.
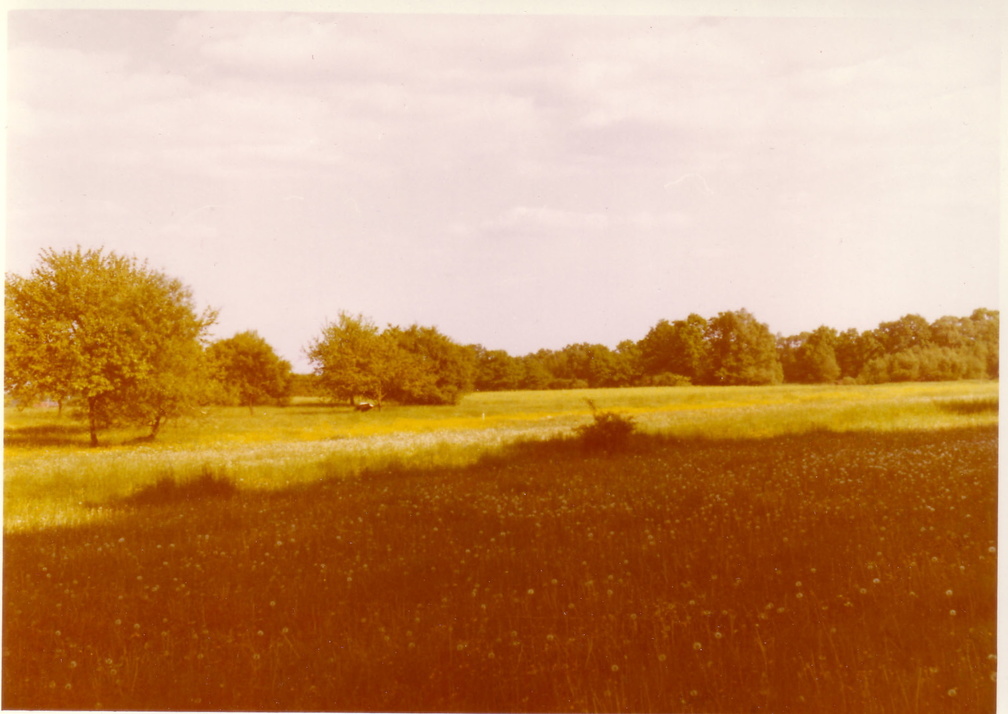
(416, 365)
(248, 371)
(124, 340)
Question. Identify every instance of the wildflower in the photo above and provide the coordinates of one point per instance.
(697, 646)
(952, 692)
(661, 657)
(948, 593)
(615, 668)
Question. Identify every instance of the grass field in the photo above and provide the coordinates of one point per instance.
(754, 549)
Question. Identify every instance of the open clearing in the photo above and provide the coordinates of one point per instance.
(755, 549)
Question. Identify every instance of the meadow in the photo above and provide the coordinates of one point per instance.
(751, 549)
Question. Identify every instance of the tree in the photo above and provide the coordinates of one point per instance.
(429, 368)
(986, 330)
(854, 350)
(344, 357)
(108, 330)
(418, 365)
(814, 359)
(904, 333)
(496, 370)
(249, 371)
(742, 350)
(535, 375)
(677, 348)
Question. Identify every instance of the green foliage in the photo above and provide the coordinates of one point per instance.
(496, 370)
(742, 351)
(679, 347)
(417, 365)
(609, 431)
(122, 339)
(248, 371)
(431, 368)
(668, 379)
(346, 358)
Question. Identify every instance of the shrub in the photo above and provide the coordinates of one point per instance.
(608, 431)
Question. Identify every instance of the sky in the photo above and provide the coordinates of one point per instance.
(517, 180)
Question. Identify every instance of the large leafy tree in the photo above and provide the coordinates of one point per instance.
(107, 330)
(742, 350)
(429, 368)
(813, 358)
(417, 365)
(496, 370)
(678, 348)
(345, 357)
(249, 371)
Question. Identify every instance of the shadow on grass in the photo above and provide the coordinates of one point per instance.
(168, 491)
(47, 435)
(967, 406)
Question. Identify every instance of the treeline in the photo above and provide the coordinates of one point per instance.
(121, 343)
(734, 348)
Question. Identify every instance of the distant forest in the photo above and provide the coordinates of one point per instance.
(734, 348)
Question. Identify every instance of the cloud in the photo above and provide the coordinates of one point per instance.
(459, 158)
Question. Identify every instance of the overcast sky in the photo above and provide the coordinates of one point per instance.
(519, 181)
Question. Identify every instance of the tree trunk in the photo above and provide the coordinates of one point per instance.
(156, 426)
(93, 419)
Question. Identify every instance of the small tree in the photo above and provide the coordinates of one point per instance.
(249, 371)
(122, 338)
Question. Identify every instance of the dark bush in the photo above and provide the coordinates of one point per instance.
(608, 431)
